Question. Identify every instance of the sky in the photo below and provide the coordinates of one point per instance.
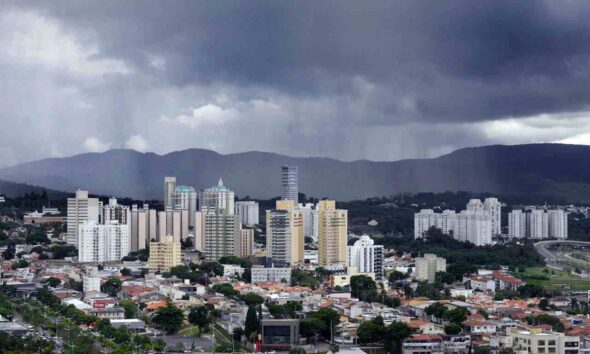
(377, 80)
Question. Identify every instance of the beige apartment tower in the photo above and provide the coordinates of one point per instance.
(80, 210)
(284, 234)
(164, 254)
(332, 234)
(246, 243)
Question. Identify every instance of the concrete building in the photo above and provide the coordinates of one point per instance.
(537, 224)
(474, 227)
(517, 224)
(310, 220)
(260, 275)
(185, 198)
(80, 209)
(217, 197)
(173, 222)
(428, 266)
(144, 224)
(290, 183)
(114, 212)
(246, 248)
(90, 283)
(164, 254)
(557, 223)
(284, 234)
(427, 218)
(342, 278)
(278, 335)
(221, 235)
(493, 207)
(332, 234)
(248, 212)
(538, 341)
(169, 187)
(103, 242)
(365, 256)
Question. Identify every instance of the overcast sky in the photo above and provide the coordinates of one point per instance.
(345, 79)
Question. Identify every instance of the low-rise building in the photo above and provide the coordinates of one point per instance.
(537, 341)
(260, 274)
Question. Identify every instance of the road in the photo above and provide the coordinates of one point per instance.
(552, 258)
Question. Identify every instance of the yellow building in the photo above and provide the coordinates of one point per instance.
(164, 254)
(284, 234)
(332, 234)
(343, 280)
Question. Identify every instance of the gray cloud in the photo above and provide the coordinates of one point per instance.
(347, 79)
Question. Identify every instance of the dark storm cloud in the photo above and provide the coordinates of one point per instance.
(323, 74)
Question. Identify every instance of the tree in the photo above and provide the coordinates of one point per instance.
(125, 272)
(252, 299)
(436, 310)
(8, 254)
(237, 334)
(371, 331)
(453, 329)
(363, 287)
(169, 318)
(199, 316)
(396, 275)
(111, 286)
(543, 304)
(53, 282)
(226, 289)
(309, 327)
(394, 336)
(21, 263)
(251, 322)
(130, 308)
(456, 315)
(329, 317)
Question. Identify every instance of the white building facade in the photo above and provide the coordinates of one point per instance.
(365, 256)
(103, 242)
(248, 212)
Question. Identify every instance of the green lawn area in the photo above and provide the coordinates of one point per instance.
(554, 279)
(190, 331)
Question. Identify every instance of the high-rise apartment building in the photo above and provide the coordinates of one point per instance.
(248, 212)
(428, 266)
(310, 220)
(164, 254)
(80, 209)
(365, 256)
(221, 235)
(332, 234)
(143, 227)
(103, 242)
(557, 223)
(474, 227)
(185, 198)
(174, 223)
(290, 183)
(284, 234)
(217, 197)
(517, 224)
(169, 188)
(114, 212)
(537, 224)
(246, 248)
(493, 207)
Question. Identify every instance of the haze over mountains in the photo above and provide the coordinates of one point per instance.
(556, 170)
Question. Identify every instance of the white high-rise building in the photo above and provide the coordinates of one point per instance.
(517, 224)
(174, 223)
(185, 198)
(144, 227)
(217, 197)
(427, 218)
(290, 183)
(428, 266)
(493, 207)
(114, 212)
(169, 188)
(221, 233)
(365, 256)
(310, 220)
(248, 212)
(80, 209)
(557, 223)
(103, 242)
(474, 205)
(537, 224)
(474, 227)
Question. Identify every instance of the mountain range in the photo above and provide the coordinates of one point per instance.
(556, 170)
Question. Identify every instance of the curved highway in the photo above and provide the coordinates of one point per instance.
(551, 258)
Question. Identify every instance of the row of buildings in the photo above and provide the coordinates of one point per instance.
(537, 224)
(477, 224)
